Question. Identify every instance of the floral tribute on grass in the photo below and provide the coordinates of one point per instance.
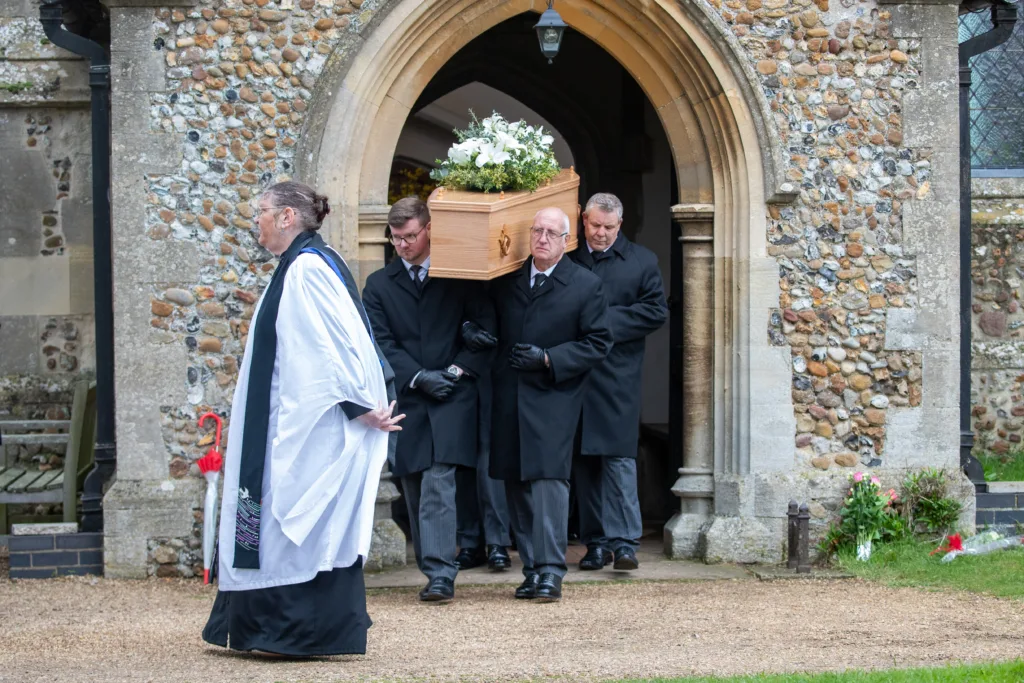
(868, 514)
(495, 154)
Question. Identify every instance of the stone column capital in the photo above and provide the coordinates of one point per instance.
(693, 213)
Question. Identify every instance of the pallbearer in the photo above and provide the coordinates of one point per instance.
(605, 468)
(418, 320)
(307, 441)
(551, 333)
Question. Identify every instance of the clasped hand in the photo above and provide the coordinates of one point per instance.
(382, 419)
(527, 358)
(476, 337)
(437, 384)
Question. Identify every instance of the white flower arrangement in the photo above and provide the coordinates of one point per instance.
(495, 154)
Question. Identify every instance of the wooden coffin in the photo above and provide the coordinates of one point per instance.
(483, 235)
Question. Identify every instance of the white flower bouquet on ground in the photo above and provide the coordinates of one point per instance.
(494, 154)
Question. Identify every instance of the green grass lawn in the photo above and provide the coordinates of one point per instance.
(1003, 468)
(908, 564)
(1008, 672)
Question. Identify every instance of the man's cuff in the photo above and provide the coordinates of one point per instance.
(412, 382)
(353, 410)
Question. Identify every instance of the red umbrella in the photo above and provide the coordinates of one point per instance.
(210, 465)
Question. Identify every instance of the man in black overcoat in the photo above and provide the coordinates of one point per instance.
(417, 322)
(604, 469)
(551, 333)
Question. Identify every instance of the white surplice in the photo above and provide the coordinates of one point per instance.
(322, 469)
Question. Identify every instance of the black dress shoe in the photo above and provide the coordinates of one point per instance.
(469, 558)
(528, 588)
(625, 558)
(497, 558)
(596, 558)
(549, 588)
(439, 589)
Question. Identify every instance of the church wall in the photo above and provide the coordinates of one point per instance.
(46, 302)
(210, 103)
(997, 270)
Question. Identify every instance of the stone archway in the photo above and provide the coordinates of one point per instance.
(728, 164)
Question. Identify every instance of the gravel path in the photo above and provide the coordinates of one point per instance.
(87, 629)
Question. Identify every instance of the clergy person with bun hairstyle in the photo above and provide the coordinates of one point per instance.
(308, 436)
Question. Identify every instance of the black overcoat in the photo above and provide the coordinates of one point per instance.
(636, 307)
(535, 414)
(421, 330)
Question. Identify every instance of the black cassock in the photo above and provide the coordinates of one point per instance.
(420, 329)
(535, 414)
(632, 285)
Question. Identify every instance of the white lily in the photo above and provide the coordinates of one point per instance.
(546, 140)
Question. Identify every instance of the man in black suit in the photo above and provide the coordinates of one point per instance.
(416, 320)
(551, 333)
(604, 469)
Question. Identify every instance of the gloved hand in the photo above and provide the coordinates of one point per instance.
(476, 337)
(526, 358)
(437, 384)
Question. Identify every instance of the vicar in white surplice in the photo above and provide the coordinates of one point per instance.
(306, 443)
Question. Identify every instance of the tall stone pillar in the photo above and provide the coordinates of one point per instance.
(388, 546)
(696, 484)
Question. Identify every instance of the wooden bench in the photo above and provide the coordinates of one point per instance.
(21, 486)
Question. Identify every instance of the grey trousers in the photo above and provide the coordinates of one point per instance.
(607, 501)
(481, 508)
(430, 498)
(539, 512)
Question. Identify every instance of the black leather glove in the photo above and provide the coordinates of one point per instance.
(437, 384)
(526, 358)
(476, 337)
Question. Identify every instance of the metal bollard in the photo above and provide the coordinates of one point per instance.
(791, 514)
(803, 540)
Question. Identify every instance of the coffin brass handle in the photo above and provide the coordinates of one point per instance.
(504, 243)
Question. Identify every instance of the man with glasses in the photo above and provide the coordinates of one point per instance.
(604, 467)
(417, 323)
(551, 333)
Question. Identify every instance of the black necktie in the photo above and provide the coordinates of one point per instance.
(416, 276)
(538, 281)
(600, 255)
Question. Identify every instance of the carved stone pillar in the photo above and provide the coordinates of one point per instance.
(373, 221)
(696, 484)
(388, 546)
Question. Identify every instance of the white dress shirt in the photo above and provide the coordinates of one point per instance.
(425, 266)
(534, 272)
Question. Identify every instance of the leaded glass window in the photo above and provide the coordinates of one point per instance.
(997, 97)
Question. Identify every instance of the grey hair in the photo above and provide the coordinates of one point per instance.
(310, 208)
(607, 202)
(565, 217)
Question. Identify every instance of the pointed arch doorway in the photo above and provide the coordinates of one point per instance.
(716, 125)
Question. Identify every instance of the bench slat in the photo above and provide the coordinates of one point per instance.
(57, 482)
(9, 476)
(28, 439)
(43, 482)
(8, 498)
(29, 425)
(23, 482)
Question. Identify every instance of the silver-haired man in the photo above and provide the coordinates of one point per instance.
(604, 469)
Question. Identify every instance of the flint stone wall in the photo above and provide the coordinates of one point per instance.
(210, 100)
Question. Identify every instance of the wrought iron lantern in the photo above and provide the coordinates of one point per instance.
(550, 30)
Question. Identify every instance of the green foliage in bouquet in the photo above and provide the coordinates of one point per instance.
(867, 514)
(494, 154)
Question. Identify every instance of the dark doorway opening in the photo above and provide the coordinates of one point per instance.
(616, 143)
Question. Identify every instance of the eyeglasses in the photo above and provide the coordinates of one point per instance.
(550, 234)
(260, 211)
(407, 239)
